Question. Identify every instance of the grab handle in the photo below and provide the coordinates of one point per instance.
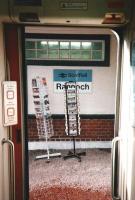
(114, 142)
(11, 144)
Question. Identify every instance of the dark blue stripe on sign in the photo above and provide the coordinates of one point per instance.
(65, 75)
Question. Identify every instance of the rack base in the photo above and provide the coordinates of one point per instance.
(74, 155)
(48, 156)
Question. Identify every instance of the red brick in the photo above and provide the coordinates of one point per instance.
(91, 129)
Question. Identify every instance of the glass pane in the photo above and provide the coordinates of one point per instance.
(86, 45)
(41, 44)
(54, 54)
(75, 54)
(29, 44)
(64, 45)
(64, 54)
(97, 45)
(97, 55)
(42, 54)
(86, 55)
(53, 44)
(30, 54)
(75, 45)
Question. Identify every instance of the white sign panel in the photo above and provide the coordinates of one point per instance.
(82, 87)
(83, 79)
(10, 102)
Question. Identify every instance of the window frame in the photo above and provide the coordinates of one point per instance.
(70, 37)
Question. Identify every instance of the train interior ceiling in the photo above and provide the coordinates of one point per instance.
(67, 99)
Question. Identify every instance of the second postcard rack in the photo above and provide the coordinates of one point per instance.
(72, 117)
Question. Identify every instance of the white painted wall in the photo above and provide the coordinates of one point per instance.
(4, 182)
(102, 98)
(69, 145)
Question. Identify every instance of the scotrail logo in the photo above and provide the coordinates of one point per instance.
(63, 75)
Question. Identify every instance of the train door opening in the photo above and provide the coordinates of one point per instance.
(53, 57)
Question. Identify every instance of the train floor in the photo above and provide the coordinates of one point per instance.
(69, 179)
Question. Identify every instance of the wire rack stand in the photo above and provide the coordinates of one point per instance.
(72, 118)
(43, 115)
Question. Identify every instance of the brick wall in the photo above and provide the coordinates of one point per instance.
(93, 128)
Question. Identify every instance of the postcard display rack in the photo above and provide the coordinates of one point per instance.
(43, 114)
(72, 118)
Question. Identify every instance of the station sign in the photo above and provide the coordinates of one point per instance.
(10, 102)
(83, 79)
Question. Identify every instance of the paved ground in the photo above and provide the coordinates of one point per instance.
(70, 179)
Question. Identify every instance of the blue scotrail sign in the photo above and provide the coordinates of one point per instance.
(65, 75)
